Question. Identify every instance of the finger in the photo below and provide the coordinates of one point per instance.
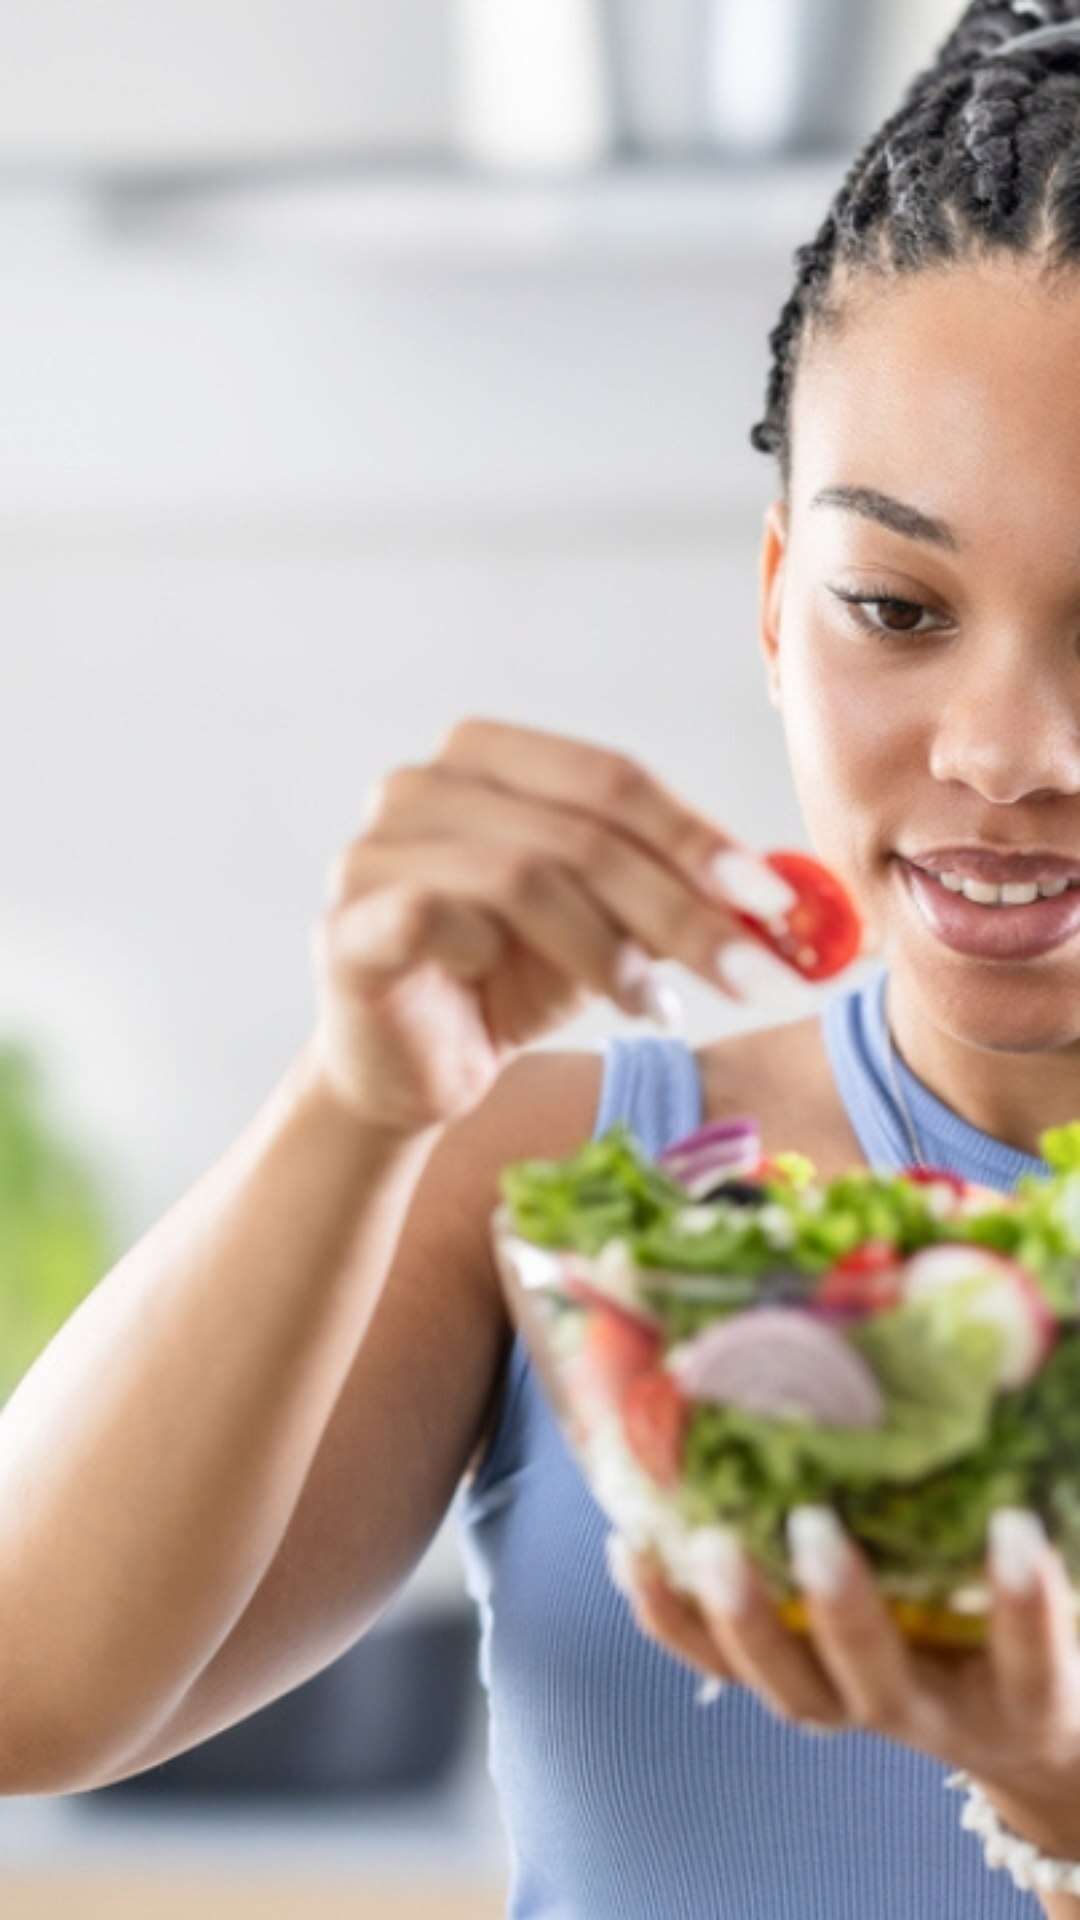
(855, 1637)
(655, 904)
(659, 1610)
(429, 885)
(1032, 1629)
(749, 1634)
(616, 790)
(388, 931)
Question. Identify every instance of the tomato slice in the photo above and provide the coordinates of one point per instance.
(867, 1279)
(923, 1176)
(615, 1350)
(873, 1256)
(654, 1420)
(862, 1293)
(824, 930)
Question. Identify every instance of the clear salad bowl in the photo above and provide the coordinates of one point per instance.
(724, 1336)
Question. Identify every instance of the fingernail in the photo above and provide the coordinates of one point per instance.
(710, 1689)
(717, 1568)
(746, 882)
(1017, 1546)
(652, 998)
(818, 1549)
(619, 1559)
(664, 1006)
(749, 968)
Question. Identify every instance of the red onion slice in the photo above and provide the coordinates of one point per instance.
(781, 1363)
(705, 1174)
(742, 1126)
(726, 1149)
(724, 1154)
(704, 1183)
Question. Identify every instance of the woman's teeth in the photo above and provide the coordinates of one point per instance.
(1012, 896)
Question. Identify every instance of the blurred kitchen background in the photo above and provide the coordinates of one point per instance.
(364, 364)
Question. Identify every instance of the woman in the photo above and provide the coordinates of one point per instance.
(235, 1451)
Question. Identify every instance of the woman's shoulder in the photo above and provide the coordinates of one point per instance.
(783, 1077)
(780, 1074)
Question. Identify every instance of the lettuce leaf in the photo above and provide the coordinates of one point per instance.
(608, 1190)
(1060, 1147)
(612, 1189)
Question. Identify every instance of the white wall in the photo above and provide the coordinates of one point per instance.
(264, 534)
(160, 82)
(157, 82)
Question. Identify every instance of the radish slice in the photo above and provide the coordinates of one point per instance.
(782, 1363)
(1009, 1298)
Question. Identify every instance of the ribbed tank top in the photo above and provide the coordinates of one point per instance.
(622, 1798)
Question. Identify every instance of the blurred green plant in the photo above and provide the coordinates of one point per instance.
(56, 1237)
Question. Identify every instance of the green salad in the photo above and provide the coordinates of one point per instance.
(904, 1346)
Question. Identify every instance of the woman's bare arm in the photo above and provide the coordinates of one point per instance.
(420, 1388)
(152, 1456)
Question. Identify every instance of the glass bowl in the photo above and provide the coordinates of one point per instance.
(669, 1384)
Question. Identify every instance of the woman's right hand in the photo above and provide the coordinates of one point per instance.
(492, 889)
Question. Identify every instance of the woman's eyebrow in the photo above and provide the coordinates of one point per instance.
(891, 513)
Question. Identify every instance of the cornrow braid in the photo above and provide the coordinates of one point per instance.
(982, 154)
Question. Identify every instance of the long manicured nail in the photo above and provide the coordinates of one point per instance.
(743, 881)
(751, 970)
(619, 1559)
(645, 991)
(1017, 1546)
(664, 1006)
(710, 1689)
(717, 1568)
(818, 1549)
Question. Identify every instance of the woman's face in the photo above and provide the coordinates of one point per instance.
(955, 719)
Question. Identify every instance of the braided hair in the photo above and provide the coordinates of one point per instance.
(982, 155)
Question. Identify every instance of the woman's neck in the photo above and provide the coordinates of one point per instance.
(1007, 1064)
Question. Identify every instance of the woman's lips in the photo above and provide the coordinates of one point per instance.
(992, 933)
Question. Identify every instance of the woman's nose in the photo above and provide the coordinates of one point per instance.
(1010, 734)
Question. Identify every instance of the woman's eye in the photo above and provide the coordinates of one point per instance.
(906, 612)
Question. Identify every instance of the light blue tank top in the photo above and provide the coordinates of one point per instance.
(622, 1798)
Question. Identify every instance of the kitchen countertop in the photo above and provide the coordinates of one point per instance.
(143, 1898)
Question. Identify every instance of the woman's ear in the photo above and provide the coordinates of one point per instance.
(773, 548)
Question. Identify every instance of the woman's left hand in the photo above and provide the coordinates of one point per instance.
(1007, 1713)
